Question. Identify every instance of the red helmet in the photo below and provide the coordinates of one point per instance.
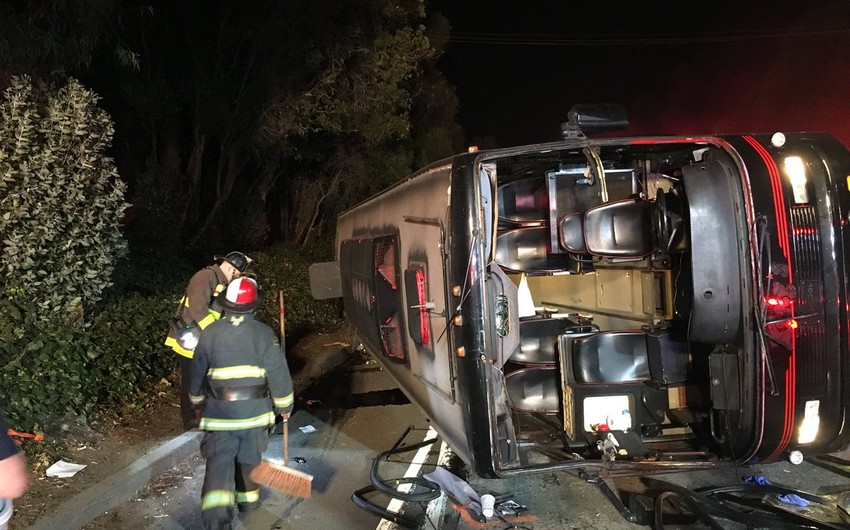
(242, 295)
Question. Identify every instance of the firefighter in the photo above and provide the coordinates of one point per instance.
(240, 379)
(198, 309)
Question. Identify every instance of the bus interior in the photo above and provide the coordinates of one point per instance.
(623, 268)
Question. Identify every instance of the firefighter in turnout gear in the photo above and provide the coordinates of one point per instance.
(240, 379)
(197, 309)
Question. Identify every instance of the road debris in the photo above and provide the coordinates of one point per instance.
(63, 469)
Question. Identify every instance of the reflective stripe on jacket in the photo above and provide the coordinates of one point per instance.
(199, 305)
(236, 352)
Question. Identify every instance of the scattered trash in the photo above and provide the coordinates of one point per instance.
(761, 480)
(510, 508)
(792, 499)
(457, 488)
(62, 469)
(488, 503)
(786, 498)
(343, 344)
(299, 459)
(307, 429)
(314, 402)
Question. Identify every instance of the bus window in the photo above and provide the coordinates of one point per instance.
(388, 297)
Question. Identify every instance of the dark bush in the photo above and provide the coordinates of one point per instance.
(286, 268)
(60, 370)
(45, 368)
(130, 354)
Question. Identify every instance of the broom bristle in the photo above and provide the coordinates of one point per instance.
(283, 479)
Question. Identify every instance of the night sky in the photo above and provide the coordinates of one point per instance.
(698, 67)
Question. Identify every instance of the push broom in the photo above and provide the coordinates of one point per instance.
(278, 477)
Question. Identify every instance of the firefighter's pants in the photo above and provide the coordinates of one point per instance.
(231, 456)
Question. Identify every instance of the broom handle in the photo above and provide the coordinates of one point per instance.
(286, 421)
(282, 333)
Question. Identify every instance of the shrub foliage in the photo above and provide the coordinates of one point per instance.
(53, 370)
(73, 342)
(285, 268)
(60, 197)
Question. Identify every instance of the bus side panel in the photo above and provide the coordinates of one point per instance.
(468, 268)
(412, 214)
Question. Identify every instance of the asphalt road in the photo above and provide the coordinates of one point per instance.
(357, 413)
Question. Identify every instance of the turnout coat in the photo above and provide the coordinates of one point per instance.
(199, 305)
(239, 375)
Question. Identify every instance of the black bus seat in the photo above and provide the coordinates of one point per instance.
(610, 357)
(527, 250)
(539, 338)
(571, 233)
(534, 389)
(583, 378)
(626, 356)
(619, 229)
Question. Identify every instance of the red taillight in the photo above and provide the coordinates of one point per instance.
(424, 327)
(778, 301)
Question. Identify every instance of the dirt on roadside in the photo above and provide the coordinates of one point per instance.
(104, 449)
(137, 429)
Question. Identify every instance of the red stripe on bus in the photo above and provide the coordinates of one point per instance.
(782, 234)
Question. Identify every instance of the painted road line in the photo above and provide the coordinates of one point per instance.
(412, 471)
(437, 507)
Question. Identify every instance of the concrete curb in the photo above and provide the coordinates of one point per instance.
(80, 510)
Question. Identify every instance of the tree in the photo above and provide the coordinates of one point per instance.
(350, 122)
(60, 197)
(436, 133)
(43, 37)
(274, 109)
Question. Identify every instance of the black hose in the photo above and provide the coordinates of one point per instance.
(360, 501)
(390, 487)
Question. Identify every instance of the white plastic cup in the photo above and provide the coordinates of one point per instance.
(488, 502)
(5, 513)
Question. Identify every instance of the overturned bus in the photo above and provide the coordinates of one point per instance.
(626, 305)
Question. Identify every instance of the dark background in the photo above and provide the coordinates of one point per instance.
(680, 67)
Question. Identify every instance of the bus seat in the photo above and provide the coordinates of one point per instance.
(539, 338)
(571, 232)
(608, 364)
(626, 356)
(527, 249)
(610, 357)
(619, 229)
(534, 389)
